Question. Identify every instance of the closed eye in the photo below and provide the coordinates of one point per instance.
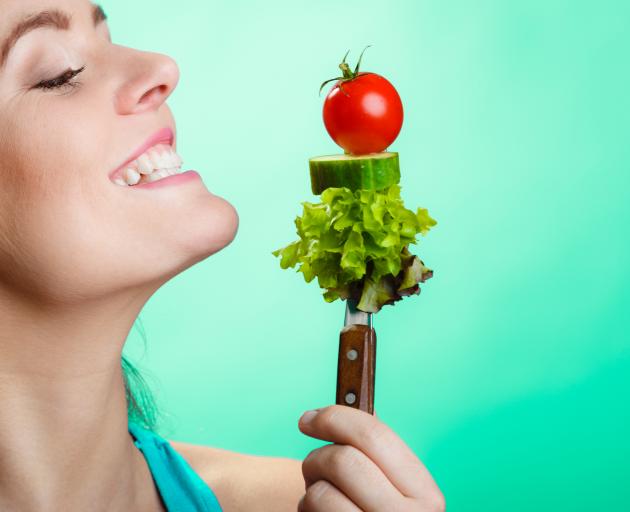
(60, 81)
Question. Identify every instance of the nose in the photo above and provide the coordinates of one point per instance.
(150, 79)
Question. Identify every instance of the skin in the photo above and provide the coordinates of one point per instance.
(368, 467)
(79, 258)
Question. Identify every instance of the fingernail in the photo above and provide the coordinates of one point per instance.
(308, 416)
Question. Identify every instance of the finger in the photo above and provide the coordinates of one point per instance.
(346, 425)
(323, 496)
(355, 475)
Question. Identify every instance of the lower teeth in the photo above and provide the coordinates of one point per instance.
(154, 176)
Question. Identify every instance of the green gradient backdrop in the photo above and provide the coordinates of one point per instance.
(508, 376)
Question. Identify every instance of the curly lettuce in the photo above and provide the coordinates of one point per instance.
(356, 244)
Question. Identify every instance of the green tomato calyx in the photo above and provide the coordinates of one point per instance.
(348, 74)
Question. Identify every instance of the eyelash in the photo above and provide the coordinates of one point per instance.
(61, 80)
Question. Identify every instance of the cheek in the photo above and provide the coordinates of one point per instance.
(55, 144)
(55, 213)
(56, 247)
(57, 239)
(70, 234)
(73, 243)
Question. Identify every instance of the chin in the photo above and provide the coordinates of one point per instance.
(214, 229)
(197, 232)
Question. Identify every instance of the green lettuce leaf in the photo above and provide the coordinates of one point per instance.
(356, 245)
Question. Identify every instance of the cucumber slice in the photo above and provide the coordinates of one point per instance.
(374, 171)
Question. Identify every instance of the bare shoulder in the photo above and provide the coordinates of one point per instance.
(244, 482)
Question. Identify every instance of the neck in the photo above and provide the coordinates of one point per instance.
(64, 441)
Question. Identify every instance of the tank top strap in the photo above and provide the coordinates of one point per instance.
(180, 488)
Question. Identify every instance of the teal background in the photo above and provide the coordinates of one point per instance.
(508, 375)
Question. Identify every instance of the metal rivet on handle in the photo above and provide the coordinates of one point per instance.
(350, 398)
(352, 354)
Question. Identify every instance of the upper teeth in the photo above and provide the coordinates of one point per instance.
(155, 163)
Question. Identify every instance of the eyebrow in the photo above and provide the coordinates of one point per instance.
(51, 18)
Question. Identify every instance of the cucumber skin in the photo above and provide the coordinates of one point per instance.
(366, 174)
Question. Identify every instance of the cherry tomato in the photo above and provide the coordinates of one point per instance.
(363, 114)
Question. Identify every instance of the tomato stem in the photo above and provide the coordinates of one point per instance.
(348, 74)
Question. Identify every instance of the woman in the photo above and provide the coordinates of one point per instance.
(88, 232)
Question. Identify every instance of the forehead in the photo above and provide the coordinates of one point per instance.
(34, 14)
(14, 11)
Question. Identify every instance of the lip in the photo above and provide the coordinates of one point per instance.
(171, 180)
(164, 135)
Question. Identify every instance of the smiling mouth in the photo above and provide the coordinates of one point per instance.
(155, 163)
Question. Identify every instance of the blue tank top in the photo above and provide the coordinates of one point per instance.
(180, 488)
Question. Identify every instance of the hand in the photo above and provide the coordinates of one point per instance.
(369, 468)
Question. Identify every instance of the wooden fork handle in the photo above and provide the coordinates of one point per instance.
(356, 367)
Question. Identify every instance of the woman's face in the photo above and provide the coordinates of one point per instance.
(67, 231)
